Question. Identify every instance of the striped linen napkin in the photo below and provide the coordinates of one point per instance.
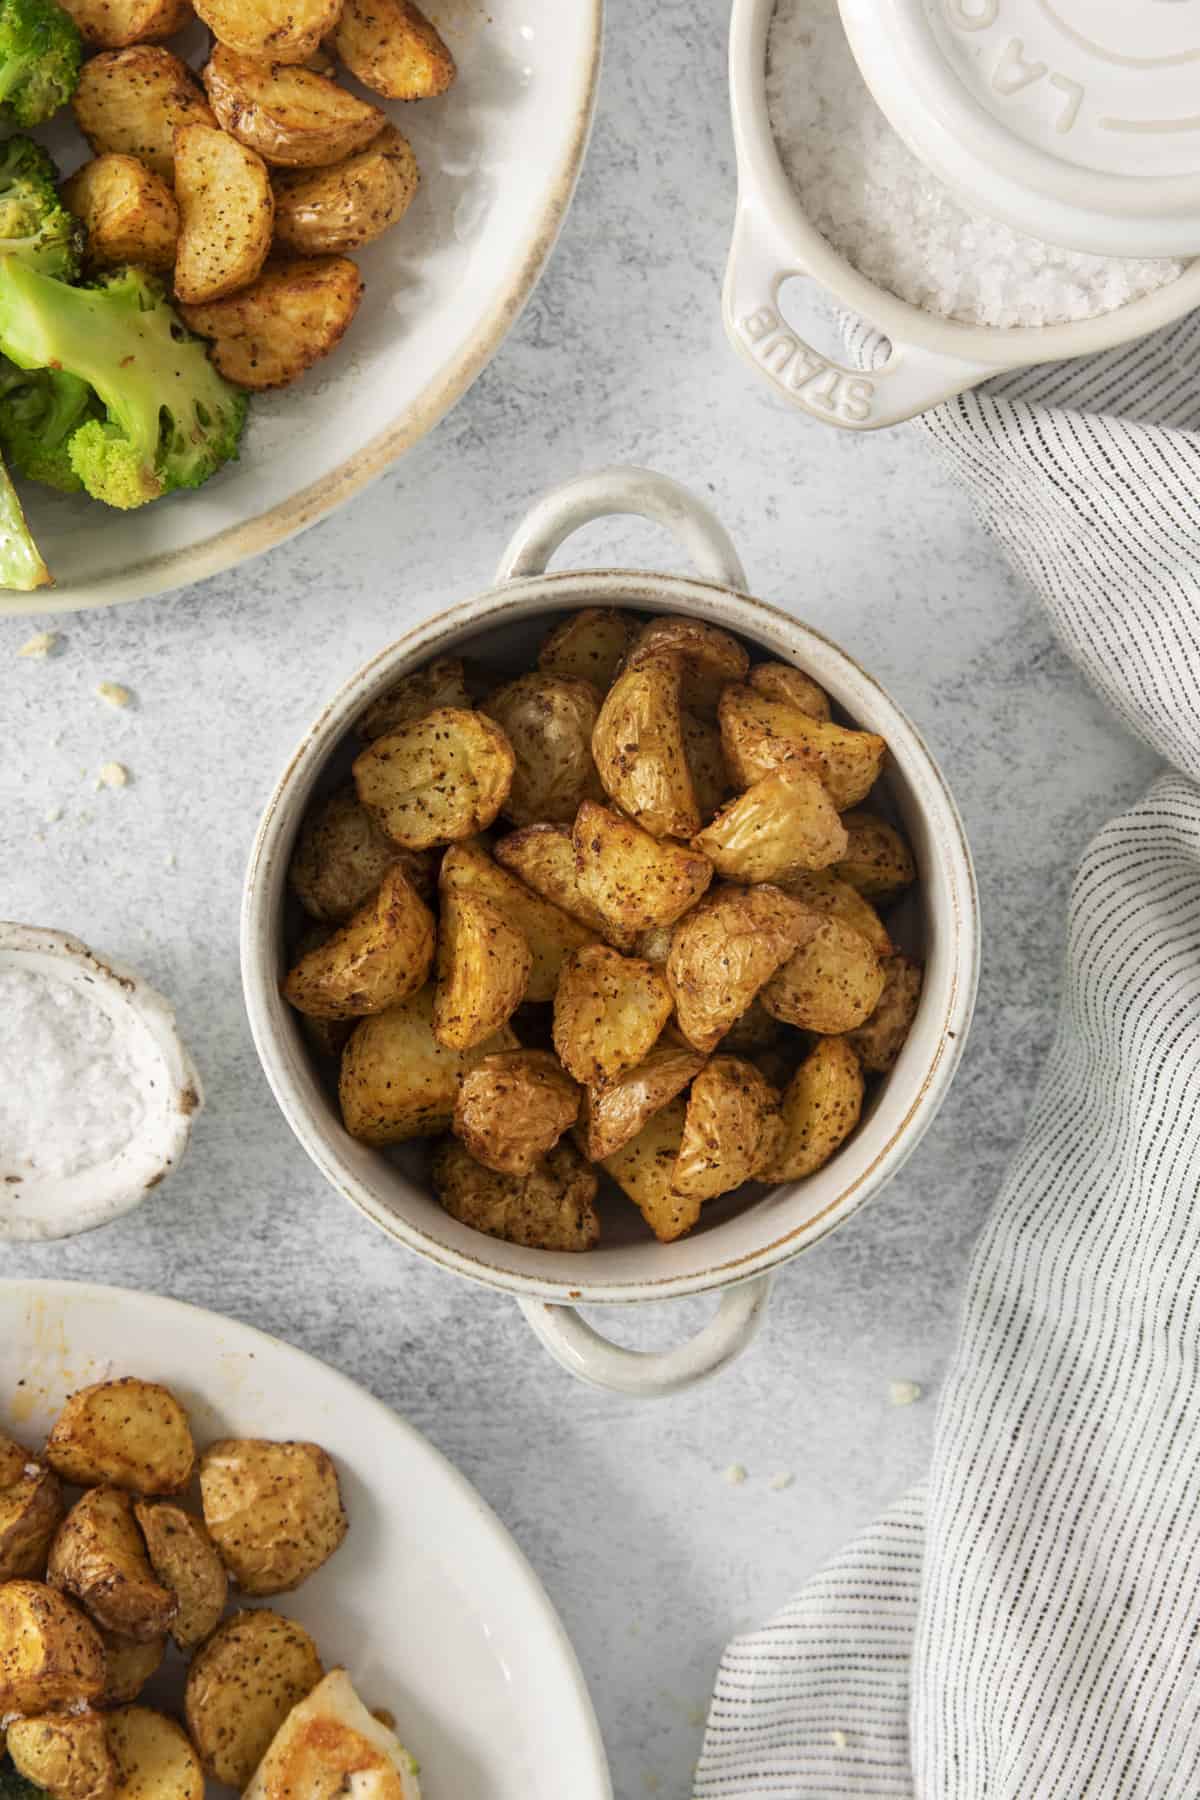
(1026, 1625)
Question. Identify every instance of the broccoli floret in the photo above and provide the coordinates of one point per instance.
(40, 410)
(21, 567)
(169, 419)
(40, 54)
(34, 224)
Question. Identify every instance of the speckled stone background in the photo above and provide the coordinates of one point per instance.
(652, 1556)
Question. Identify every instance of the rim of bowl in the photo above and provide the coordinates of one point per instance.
(288, 1066)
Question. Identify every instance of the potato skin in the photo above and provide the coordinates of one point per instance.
(128, 1666)
(152, 1756)
(270, 333)
(397, 1082)
(374, 961)
(761, 735)
(831, 983)
(292, 117)
(66, 1753)
(549, 722)
(113, 24)
(880, 1039)
(282, 31)
(635, 881)
(779, 681)
(99, 1558)
(725, 950)
(185, 1560)
(824, 891)
(644, 1168)
(615, 1111)
(513, 1107)
(783, 822)
(241, 1686)
(341, 856)
(31, 1510)
(706, 764)
(50, 1654)
(131, 101)
(128, 212)
(438, 779)
(640, 752)
(729, 1128)
(877, 863)
(543, 857)
(821, 1106)
(341, 207)
(393, 48)
(483, 968)
(274, 1510)
(711, 658)
(440, 683)
(589, 645)
(548, 1209)
(551, 933)
(608, 1012)
(130, 1434)
(226, 214)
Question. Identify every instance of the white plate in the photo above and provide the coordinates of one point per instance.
(428, 1603)
(499, 155)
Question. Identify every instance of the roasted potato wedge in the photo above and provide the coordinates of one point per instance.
(128, 1666)
(725, 950)
(549, 721)
(706, 764)
(729, 1130)
(440, 683)
(785, 821)
(392, 48)
(877, 862)
(644, 1168)
(241, 1686)
(14, 1460)
(483, 968)
(129, 1434)
(185, 1560)
(543, 857)
(397, 1081)
(755, 1029)
(588, 646)
(821, 1106)
(823, 890)
(328, 211)
(550, 932)
(608, 1012)
(634, 881)
(128, 212)
(153, 1758)
(50, 1654)
(779, 681)
(31, 1510)
(383, 954)
(438, 779)
(512, 1109)
(290, 116)
(269, 334)
(615, 1111)
(830, 984)
(879, 1041)
(760, 735)
(640, 751)
(341, 857)
(275, 31)
(131, 102)
(330, 1744)
(113, 24)
(226, 214)
(551, 1208)
(273, 1510)
(65, 1753)
(711, 659)
(99, 1558)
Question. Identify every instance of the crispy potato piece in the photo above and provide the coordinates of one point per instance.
(760, 735)
(392, 47)
(779, 681)
(397, 1081)
(327, 211)
(615, 1111)
(877, 862)
(274, 1510)
(550, 933)
(128, 212)
(269, 334)
(440, 683)
(381, 956)
(241, 1686)
(725, 950)
(153, 1758)
(66, 1753)
(99, 1558)
(50, 1654)
(130, 1434)
(513, 1107)
(112, 24)
(31, 1510)
(324, 1037)
(608, 1012)
(785, 821)
(128, 1666)
(290, 116)
(548, 1209)
(589, 645)
(640, 752)
(728, 1129)
(185, 1560)
(824, 891)
(879, 1041)
(755, 1029)
(130, 102)
(226, 214)
(706, 764)
(341, 856)
(14, 1460)
(549, 722)
(711, 658)
(821, 1106)
(634, 881)
(832, 983)
(543, 856)
(483, 967)
(644, 1168)
(279, 31)
(438, 779)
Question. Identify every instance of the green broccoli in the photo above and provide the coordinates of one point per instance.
(170, 420)
(40, 55)
(34, 223)
(21, 567)
(40, 411)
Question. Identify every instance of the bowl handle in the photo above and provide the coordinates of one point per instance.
(910, 381)
(622, 488)
(651, 1374)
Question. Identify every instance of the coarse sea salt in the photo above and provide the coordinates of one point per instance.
(888, 215)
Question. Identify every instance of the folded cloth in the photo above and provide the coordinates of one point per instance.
(1027, 1626)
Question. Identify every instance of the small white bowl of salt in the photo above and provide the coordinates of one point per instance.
(97, 1093)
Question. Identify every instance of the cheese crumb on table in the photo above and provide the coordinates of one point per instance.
(735, 1474)
(113, 775)
(41, 645)
(113, 693)
(903, 1393)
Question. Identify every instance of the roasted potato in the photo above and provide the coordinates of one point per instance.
(341, 857)
(588, 646)
(129, 1434)
(65, 1753)
(729, 1130)
(640, 752)
(823, 890)
(483, 968)
(830, 984)
(779, 681)
(130, 102)
(31, 1510)
(226, 214)
(615, 1111)
(785, 821)
(543, 856)
(635, 881)
(548, 1209)
(821, 1106)
(392, 47)
(269, 334)
(755, 1029)
(382, 955)
(438, 779)
(320, 212)
(440, 683)
(185, 1560)
(291, 116)
(153, 1758)
(330, 1744)
(397, 1081)
(98, 1557)
(879, 1041)
(276, 31)
(711, 659)
(877, 861)
(112, 24)
(128, 212)
(760, 735)
(14, 1461)
(725, 950)
(550, 933)
(549, 722)
(50, 1654)
(644, 1168)
(706, 764)
(273, 1509)
(512, 1109)
(608, 1012)
(128, 1666)
(241, 1686)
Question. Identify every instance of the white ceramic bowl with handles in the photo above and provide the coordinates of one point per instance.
(931, 358)
(737, 1246)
